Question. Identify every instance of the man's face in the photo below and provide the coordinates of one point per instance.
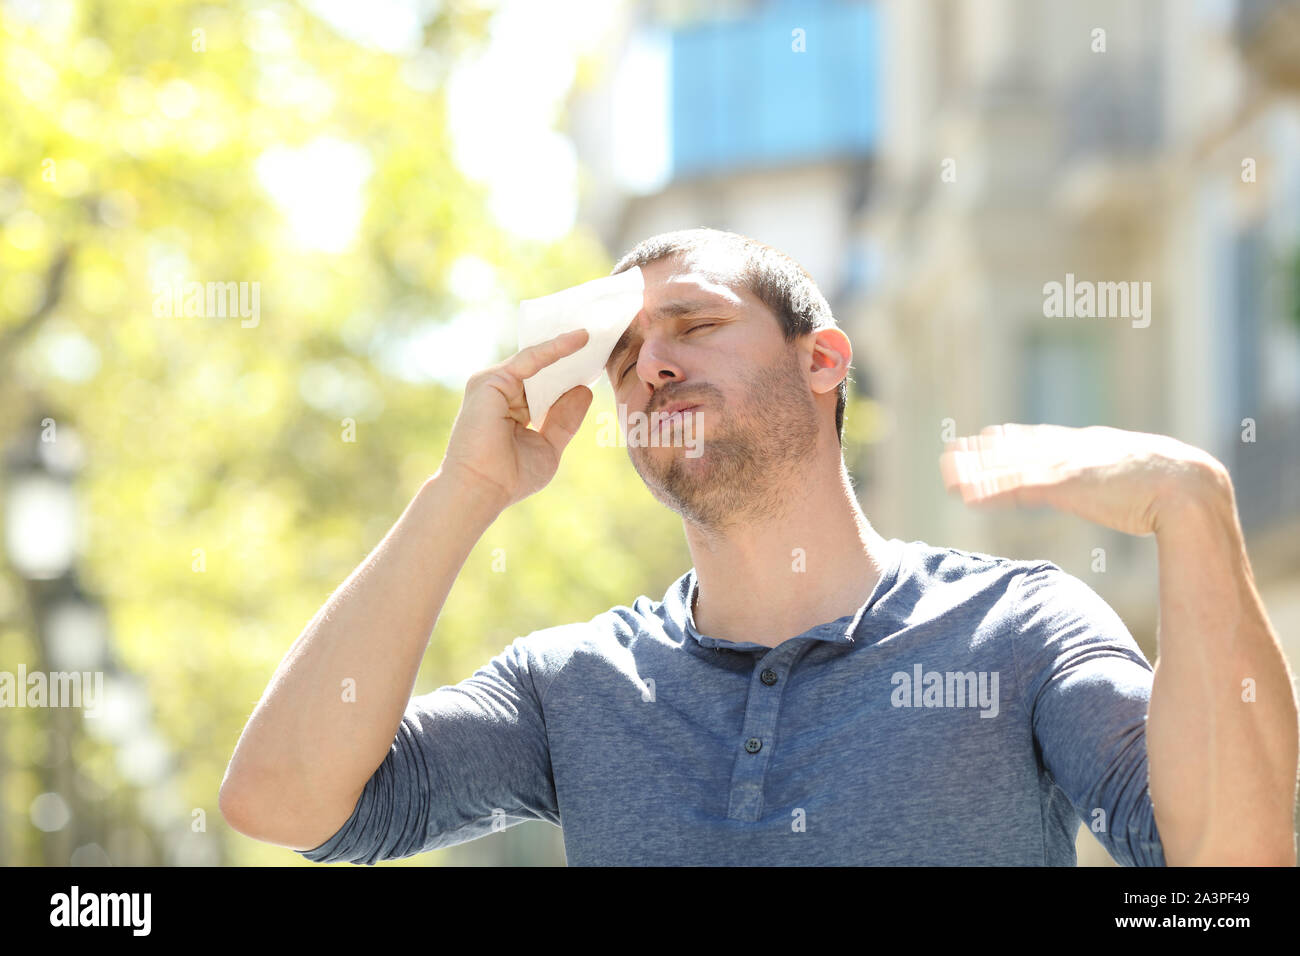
(704, 340)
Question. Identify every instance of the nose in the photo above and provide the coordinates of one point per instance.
(656, 366)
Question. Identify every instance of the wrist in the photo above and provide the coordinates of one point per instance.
(478, 496)
(1198, 490)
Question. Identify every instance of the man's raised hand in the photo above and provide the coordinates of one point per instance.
(1120, 479)
(491, 445)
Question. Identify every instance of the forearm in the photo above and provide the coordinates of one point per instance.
(332, 708)
(1222, 720)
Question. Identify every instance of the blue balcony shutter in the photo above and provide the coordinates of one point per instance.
(741, 97)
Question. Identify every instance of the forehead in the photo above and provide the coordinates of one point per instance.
(683, 284)
(680, 283)
(707, 273)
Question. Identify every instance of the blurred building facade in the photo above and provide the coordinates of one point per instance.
(988, 148)
(767, 118)
(1162, 157)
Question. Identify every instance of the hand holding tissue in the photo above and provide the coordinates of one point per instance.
(605, 307)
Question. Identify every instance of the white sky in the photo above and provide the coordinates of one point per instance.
(502, 106)
(502, 109)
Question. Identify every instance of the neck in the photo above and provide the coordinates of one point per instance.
(769, 579)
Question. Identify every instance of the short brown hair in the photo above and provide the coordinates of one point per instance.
(773, 277)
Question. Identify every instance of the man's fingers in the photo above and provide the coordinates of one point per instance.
(1005, 463)
(971, 467)
(955, 467)
(564, 417)
(1014, 464)
(528, 362)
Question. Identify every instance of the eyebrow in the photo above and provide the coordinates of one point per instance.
(674, 309)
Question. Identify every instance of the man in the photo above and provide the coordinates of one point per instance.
(809, 692)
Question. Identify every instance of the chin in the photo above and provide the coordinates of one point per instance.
(663, 461)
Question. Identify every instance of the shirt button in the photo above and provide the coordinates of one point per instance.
(768, 677)
(753, 745)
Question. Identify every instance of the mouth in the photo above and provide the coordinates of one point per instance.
(676, 410)
(673, 418)
(672, 425)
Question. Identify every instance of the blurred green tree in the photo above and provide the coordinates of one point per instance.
(239, 465)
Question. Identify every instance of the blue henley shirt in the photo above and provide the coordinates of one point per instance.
(973, 711)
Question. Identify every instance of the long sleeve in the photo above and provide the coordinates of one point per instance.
(467, 760)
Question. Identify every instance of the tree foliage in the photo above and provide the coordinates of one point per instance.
(223, 499)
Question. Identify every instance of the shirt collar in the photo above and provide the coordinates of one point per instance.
(678, 602)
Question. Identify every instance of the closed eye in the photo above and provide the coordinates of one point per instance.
(702, 325)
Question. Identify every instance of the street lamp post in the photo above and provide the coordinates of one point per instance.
(72, 639)
(40, 532)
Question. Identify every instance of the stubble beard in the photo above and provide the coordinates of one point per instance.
(750, 461)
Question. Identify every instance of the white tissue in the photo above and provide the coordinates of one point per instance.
(605, 307)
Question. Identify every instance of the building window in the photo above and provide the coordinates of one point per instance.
(1065, 378)
(744, 96)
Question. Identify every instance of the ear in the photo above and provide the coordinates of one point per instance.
(831, 355)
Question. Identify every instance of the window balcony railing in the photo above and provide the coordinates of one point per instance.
(1113, 113)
